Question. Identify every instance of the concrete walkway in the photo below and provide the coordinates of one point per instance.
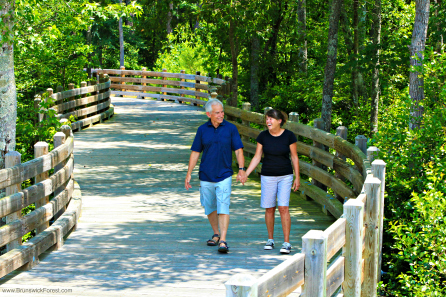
(141, 232)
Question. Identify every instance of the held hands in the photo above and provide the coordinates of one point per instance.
(242, 177)
(296, 184)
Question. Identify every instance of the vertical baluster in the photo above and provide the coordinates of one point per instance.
(182, 80)
(41, 149)
(341, 131)
(122, 68)
(319, 123)
(12, 159)
(143, 76)
(314, 246)
(379, 171)
(196, 90)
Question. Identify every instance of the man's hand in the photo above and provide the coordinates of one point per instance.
(241, 177)
(296, 184)
(187, 182)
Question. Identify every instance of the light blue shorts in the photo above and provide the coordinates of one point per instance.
(216, 196)
(275, 186)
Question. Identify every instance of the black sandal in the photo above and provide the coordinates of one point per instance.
(212, 242)
(225, 248)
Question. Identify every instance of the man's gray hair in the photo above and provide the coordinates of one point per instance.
(210, 103)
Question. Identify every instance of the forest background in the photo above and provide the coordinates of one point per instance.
(350, 62)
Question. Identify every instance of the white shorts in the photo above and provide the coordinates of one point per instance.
(275, 187)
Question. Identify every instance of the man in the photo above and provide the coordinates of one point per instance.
(217, 139)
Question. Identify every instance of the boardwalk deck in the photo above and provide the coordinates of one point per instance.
(140, 232)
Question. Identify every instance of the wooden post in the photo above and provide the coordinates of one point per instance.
(39, 116)
(197, 82)
(164, 86)
(314, 246)
(246, 106)
(58, 140)
(70, 87)
(59, 89)
(183, 80)
(122, 68)
(227, 91)
(361, 142)
(144, 77)
(93, 83)
(372, 190)
(241, 285)
(372, 153)
(41, 149)
(341, 131)
(12, 159)
(379, 171)
(294, 117)
(354, 215)
(319, 123)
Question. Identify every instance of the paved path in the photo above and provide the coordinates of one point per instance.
(141, 232)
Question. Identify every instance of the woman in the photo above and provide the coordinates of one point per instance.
(276, 143)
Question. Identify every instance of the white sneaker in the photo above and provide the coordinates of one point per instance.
(286, 248)
(269, 245)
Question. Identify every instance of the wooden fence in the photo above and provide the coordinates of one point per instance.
(57, 197)
(181, 87)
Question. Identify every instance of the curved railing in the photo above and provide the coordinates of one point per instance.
(347, 254)
(57, 197)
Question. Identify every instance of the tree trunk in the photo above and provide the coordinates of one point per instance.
(375, 85)
(440, 41)
(302, 31)
(255, 48)
(355, 52)
(8, 95)
(330, 67)
(234, 53)
(88, 37)
(197, 22)
(121, 42)
(169, 18)
(416, 87)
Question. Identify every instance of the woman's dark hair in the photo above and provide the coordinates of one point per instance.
(278, 115)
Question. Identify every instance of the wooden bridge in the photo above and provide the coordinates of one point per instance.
(139, 232)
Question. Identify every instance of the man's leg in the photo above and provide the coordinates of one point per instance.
(223, 221)
(213, 220)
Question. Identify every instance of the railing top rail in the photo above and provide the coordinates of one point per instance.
(22, 172)
(80, 91)
(207, 79)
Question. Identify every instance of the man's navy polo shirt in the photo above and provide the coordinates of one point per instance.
(217, 145)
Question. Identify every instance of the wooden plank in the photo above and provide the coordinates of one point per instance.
(40, 149)
(30, 169)
(82, 101)
(321, 197)
(137, 94)
(314, 246)
(160, 89)
(326, 179)
(379, 171)
(12, 159)
(184, 99)
(19, 227)
(94, 119)
(353, 213)
(335, 237)
(160, 82)
(22, 199)
(86, 111)
(283, 279)
(335, 276)
(80, 91)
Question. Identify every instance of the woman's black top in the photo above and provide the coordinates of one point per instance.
(276, 152)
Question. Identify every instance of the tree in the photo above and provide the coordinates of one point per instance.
(8, 95)
(302, 30)
(375, 83)
(330, 67)
(121, 41)
(416, 87)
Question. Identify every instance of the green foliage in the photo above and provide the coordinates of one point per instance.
(415, 227)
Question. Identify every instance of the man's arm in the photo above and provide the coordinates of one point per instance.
(241, 176)
(193, 159)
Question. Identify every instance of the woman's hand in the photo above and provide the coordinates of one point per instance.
(296, 184)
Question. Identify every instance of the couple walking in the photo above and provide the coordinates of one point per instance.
(216, 139)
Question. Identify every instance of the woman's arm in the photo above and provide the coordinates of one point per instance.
(255, 160)
(295, 161)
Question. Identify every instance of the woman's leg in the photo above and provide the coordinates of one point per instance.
(286, 222)
(269, 220)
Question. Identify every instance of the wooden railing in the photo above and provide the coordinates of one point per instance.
(345, 258)
(57, 197)
(181, 87)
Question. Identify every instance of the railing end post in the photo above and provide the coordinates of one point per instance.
(241, 285)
